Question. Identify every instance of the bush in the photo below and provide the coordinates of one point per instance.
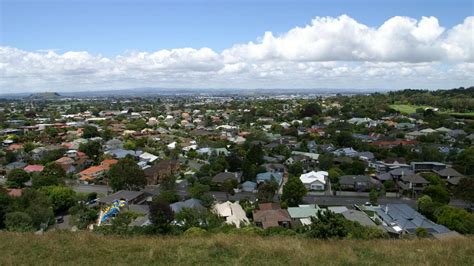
(195, 231)
(18, 221)
(421, 232)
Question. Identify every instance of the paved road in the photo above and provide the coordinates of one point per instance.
(222, 196)
(99, 189)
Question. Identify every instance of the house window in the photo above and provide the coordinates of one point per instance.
(259, 224)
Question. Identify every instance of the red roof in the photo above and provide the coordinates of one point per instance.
(14, 192)
(34, 168)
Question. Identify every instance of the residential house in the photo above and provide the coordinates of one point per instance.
(448, 173)
(224, 176)
(160, 170)
(268, 176)
(249, 186)
(189, 204)
(271, 215)
(302, 214)
(414, 183)
(427, 166)
(358, 216)
(34, 168)
(358, 183)
(402, 219)
(314, 180)
(232, 212)
(132, 197)
(94, 172)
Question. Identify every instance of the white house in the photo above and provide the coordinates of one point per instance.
(232, 212)
(314, 180)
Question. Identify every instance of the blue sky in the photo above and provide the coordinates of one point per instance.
(113, 27)
(76, 45)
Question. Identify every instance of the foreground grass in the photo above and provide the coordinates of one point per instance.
(58, 248)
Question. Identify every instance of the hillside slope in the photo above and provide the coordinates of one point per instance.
(85, 249)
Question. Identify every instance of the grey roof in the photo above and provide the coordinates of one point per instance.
(121, 153)
(384, 176)
(190, 204)
(128, 195)
(455, 180)
(449, 172)
(407, 218)
(303, 211)
(401, 171)
(351, 179)
(415, 179)
(358, 216)
(221, 177)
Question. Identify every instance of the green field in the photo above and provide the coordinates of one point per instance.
(407, 108)
(411, 109)
(59, 248)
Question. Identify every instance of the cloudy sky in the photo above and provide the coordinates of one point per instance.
(97, 45)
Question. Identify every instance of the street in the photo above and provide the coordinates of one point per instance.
(181, 190)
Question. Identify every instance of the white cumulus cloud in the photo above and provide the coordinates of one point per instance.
(328, 52)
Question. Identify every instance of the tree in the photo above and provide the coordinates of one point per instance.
(465, 189)
(61, 197)
(17, 177)
(52, 174)
(465, 161)
(373, 197)
(126, 174)
(296, 169)
(168, 182)
(169, 196)
(255, 154)
(228, 187)
(82, 216)
(90, 132)
(455, 219)
(334, 174)
(28, 146)
(161, 214)
(18, 222)
(344, 139)
(326, 161)
(5, 201)
(266, 191)
(293, 192)
(92, 149)
(310, 110)
(198, 190)
(437, 194)
(327, 225)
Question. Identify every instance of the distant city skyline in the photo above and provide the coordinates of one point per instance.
(85, 45)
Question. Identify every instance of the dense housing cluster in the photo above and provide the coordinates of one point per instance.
(364, 166)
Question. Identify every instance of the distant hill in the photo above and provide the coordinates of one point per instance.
(83, 248)
(45, 96)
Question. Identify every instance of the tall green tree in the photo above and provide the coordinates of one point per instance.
(127, 175)
(267, 190)
(52, 174)
(293, 192)
(17, 177)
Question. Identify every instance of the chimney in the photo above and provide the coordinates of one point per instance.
(386, 209)
(225, 170)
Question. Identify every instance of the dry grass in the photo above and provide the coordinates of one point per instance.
(58, 248)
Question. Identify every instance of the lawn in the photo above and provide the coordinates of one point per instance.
(58, 248)
(411, 109)
(407, 108)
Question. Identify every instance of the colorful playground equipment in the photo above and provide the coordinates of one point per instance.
(111, 211)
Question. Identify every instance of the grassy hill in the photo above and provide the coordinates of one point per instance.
(56, 248)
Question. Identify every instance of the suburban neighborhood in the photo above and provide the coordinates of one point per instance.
(295, 164)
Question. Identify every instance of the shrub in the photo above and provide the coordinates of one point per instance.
(195, 231)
